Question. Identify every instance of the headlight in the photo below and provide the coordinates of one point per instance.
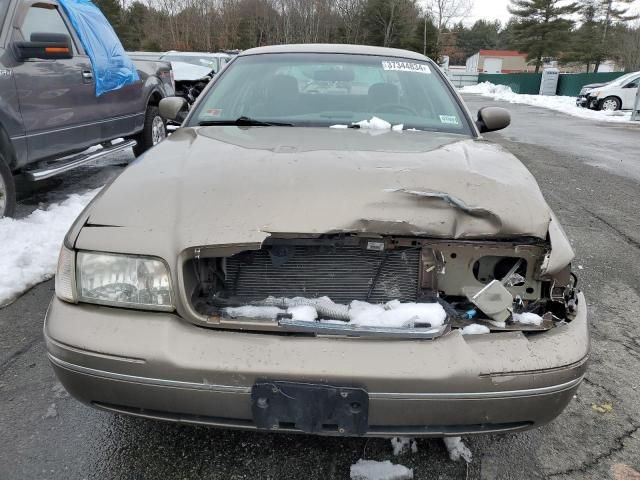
(66, 276)
(123, 281)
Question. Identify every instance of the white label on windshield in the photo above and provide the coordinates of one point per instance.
(406, 67)
(449, 119)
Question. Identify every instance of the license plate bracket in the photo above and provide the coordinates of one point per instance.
(311, 408)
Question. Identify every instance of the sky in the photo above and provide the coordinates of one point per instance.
(497, 10)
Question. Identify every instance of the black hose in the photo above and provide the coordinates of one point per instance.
(575, 280)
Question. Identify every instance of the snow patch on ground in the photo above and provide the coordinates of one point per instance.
(475, 329)
(30, 245)
(52, 412)
(558, 103)
(527, 318)
(401, 445)
(457, 449)
(373, 470)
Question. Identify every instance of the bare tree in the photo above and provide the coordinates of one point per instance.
(629, 48)
(444, 13)
(350, 13)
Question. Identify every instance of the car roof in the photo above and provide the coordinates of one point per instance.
(195, 54)
(336, 48)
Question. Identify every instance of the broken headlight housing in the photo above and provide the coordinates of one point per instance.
(115, 280)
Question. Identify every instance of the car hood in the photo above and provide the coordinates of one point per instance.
(234, 185)
(591, 86)
(187, 72)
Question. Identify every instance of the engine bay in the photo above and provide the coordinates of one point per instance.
(349, 284)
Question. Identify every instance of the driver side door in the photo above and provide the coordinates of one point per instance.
(57, 97)
(628, 93)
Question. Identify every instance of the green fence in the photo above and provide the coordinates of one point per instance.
(570, 84)
(518, 82)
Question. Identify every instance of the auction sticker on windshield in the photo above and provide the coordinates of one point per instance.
(449, 119)
(396, 66)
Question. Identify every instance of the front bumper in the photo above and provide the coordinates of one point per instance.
(159, 366)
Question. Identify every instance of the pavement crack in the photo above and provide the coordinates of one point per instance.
(602, 387)
(21, 351)
(633, 242)
(617, 446)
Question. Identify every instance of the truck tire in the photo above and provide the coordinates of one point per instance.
(610, 104)
(153, 132)
(7, 190)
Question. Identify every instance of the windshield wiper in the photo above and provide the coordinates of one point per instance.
(243, 122)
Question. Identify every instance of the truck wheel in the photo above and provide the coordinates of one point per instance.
(154, 131)
(7, 190)
(610, 104)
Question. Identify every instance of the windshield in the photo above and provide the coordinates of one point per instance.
(624, 78)
(209, 62)
(332, 90)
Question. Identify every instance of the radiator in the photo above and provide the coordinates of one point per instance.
(342, 273)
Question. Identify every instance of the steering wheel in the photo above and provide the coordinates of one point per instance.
(395, 108)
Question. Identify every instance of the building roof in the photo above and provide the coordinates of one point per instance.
(501, 53)
(336, 48)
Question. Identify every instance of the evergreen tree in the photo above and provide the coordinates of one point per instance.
(113, 11)
(585, 45)
(483, 34)
(611, 12)
(542, 27)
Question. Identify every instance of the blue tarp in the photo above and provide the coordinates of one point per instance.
(112, 68)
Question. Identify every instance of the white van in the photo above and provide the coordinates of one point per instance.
(617, 95)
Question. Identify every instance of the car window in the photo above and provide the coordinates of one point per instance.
(633, 84)
(43, 20)
(333, 89)
(623, 79)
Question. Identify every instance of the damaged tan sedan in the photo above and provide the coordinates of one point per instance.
(327, 245)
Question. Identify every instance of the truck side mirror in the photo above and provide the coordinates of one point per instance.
(173, 108)
(48, 46)
(491, 119)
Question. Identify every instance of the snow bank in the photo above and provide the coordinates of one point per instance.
(527, 318)
(558, 103)
(30, 245)
(475, 329)
(457, 449)
(401, 445)
(372, 470)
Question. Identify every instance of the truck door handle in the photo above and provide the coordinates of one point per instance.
(87, 76)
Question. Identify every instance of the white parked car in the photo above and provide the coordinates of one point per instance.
(212, 61)
(617, 95)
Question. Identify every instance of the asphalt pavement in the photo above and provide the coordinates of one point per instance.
(590, 175)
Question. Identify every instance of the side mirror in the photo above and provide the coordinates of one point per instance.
(491, 119)
(173, 108)
(48, 46)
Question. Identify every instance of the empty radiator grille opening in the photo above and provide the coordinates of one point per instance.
(342, 273)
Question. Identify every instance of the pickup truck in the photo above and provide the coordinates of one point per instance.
(50, 114)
